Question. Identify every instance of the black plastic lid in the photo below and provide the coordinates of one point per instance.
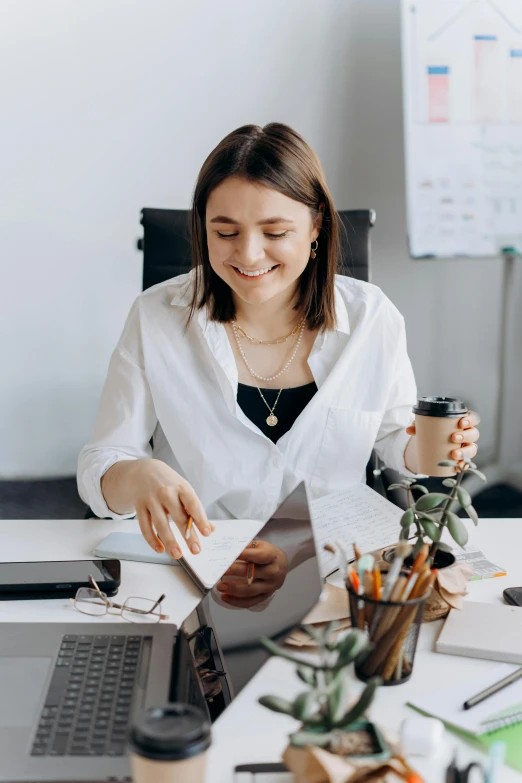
(171, 733)
(440, 406)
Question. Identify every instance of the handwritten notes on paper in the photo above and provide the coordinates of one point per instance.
(355, 515)
(219, 550)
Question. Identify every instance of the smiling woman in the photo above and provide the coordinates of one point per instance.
(259, 369)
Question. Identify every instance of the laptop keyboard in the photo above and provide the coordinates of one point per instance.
(88, 705)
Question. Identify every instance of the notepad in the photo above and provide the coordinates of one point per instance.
(497, 718)
(492, 631)
(356, 515)
(218, 551)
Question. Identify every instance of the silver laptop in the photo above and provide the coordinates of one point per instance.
(68, 691)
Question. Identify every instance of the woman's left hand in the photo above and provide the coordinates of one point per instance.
(465, 437)
(270, 570)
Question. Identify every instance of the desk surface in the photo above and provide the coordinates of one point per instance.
(237, 733)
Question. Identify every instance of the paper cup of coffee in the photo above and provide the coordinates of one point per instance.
(169, 744)
(436, 419)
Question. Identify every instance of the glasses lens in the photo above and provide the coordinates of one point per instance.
(138, 610)
(90, 601)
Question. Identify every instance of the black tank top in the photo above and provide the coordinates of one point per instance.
(289, 406)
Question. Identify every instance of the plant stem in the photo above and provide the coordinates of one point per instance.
(444, 518)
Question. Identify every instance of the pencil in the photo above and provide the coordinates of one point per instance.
(377, 583)
(357, 552)
(187, 530)
(251, 569)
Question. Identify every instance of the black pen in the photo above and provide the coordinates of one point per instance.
(513, 677)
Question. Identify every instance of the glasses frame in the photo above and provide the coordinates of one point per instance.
(120, 607)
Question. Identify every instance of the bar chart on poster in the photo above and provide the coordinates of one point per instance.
(462, 93)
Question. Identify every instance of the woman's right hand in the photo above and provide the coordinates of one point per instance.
(156, 491)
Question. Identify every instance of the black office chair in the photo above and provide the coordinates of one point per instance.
(167, 253)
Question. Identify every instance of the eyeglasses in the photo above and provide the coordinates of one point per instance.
(94, 602)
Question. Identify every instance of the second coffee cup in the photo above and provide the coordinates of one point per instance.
(169, 744)
(436, 419)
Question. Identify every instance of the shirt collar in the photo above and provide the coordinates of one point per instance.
(183, 295)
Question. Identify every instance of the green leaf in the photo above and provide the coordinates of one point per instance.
(457, 529)
(300, 739)
(398, 486)
(472, 514)
(417, 548)
(448, 463)
(338, 699)
(305, 705)
(449, 482)
(445, 547)
(407, 518)
(274, 648)
(478, 473)
(422, 489)
(431, 529)
(404, 534)
(362, 705)
(306, 674)
(464, 497)
(430, 501)
(350, 647)
(276, 704)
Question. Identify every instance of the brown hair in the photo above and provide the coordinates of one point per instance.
(277, 157)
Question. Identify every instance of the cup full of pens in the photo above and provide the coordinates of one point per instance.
(390, 608)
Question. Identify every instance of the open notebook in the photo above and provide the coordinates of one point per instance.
(218, 550)
(497, 718)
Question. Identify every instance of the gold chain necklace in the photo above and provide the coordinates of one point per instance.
(271, 419)
(256, 341)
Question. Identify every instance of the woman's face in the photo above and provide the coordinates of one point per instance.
(258, 239)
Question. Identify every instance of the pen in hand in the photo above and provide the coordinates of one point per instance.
(187, 530)
(251, 569)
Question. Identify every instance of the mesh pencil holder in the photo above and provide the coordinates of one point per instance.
(393, 628)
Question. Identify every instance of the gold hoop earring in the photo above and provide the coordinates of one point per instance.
(313, 251)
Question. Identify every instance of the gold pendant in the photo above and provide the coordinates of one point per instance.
(271, 420)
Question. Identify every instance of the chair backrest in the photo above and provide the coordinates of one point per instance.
(167, 253)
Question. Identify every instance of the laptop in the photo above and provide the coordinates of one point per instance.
(69, 691)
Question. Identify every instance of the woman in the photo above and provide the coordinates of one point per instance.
(258, 369)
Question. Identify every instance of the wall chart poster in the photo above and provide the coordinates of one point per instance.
(462, 88)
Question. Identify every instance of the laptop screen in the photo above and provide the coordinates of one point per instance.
(232, 628)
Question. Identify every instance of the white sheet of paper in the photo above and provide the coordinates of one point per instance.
(501, 709)
(220, 549)
(355, 515)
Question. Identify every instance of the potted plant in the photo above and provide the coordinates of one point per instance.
(431, 513)
(329, 718)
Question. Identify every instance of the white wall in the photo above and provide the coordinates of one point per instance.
(111, 105)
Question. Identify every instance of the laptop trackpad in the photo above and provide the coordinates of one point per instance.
(21, 684)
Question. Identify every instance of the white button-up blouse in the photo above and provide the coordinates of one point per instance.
(178, 387)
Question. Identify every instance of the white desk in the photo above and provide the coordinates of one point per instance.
(247, 732)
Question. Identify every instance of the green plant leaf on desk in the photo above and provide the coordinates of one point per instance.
(464, 497)
(457, 529)
(407, 518)
(276, 704)
(362, 705)
(472, 514)
(431, 500)
(338, 699)
(449, 482)
(430, 528)
(305, 706)
(306, 674)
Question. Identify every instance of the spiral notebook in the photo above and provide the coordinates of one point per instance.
(497, 718)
